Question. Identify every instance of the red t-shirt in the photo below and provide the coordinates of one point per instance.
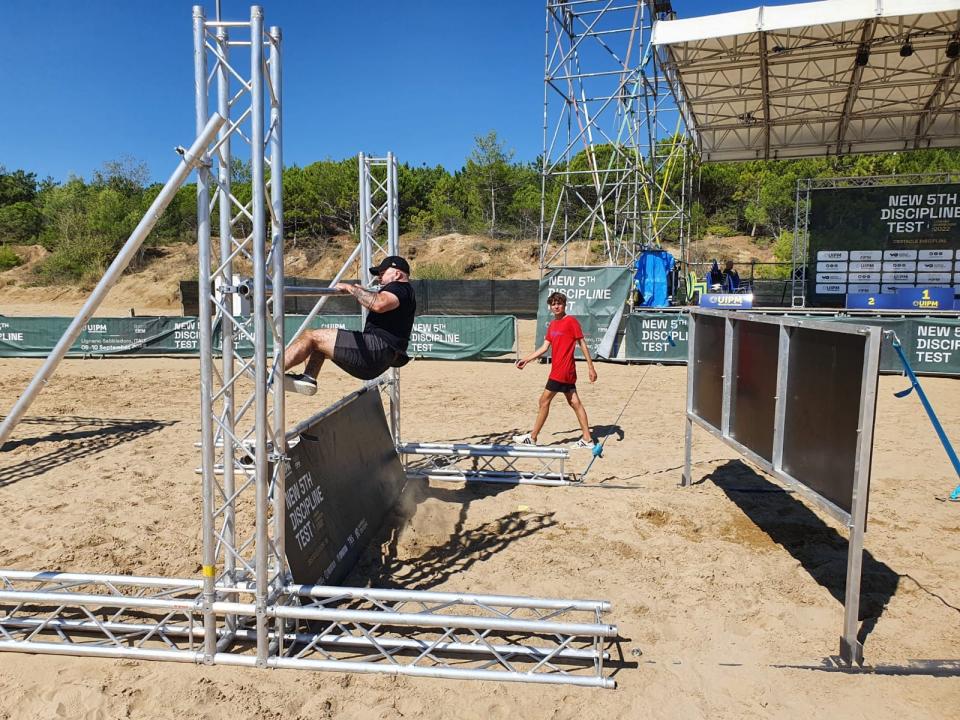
(563, 335)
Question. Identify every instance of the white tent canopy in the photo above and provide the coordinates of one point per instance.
(817, 78)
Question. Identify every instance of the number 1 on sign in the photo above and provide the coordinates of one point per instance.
(926, 294)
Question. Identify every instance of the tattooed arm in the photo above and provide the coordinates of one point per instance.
(378, 302)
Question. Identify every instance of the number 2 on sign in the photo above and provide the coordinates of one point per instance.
(871, 301)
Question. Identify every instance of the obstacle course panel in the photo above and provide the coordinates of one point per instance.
(798, 398)
(343, 477)
(792, 394)
(755, 386)
(708, 378)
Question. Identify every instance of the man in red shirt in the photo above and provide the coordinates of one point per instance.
(564, 335)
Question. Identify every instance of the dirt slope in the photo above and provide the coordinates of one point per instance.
(153, 289)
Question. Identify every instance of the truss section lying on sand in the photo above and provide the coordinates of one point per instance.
(399, 632)
(507, 464)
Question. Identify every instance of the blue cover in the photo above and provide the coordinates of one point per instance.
(653, 268)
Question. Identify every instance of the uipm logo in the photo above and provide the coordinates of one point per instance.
(727, 301)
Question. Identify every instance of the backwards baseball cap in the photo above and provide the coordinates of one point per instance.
(393, 261)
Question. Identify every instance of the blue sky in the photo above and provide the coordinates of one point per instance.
(91, 81)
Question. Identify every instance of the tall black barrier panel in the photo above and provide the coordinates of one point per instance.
(344, 475)
(797, 397)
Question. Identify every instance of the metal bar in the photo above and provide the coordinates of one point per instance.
(851, 649)
(780, 402)
(245, 289)
(205, 327)
(320, 303)
(687, 479)
(469, 450)
(302, 663)
(260, 328)
(430, 596)
(728, 388)
(492, 476)
(278, 557)
(365, 249)
(192, 158)
(432, 620)
(49, 576)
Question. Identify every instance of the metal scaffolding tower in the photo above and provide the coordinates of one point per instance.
(616, 168)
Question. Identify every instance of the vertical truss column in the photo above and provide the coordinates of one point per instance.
(242, 426)
(380, 237)
(615, 173)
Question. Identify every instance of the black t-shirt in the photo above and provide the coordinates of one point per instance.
(395, 325)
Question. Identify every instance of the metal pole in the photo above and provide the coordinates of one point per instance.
(365, 250)
(851, 649)
(276, 199)
(205, 323)
(393, 214)
(260, 325)
(687, 477)
(191, 159)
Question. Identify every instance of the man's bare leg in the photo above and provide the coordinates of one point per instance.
(545, 399)
(314, 346)
(574, 400)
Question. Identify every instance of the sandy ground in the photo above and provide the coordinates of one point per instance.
(727, 594)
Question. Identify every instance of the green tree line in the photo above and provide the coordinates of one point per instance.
(83, 223)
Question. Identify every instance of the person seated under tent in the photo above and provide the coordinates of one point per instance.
(731, 278)
(368, 354)
(714, 278)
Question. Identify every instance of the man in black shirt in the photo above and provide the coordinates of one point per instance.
(367, 354)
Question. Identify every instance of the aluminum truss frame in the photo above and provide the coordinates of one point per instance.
(801, 234)
(244, 610)
(427, 634)
(488, 463)
(616, 169)
(379, 238)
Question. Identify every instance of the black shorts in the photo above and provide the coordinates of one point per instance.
(364, 355)
(554, 386)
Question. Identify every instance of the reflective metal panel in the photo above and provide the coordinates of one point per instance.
(824, 383)
(754, 391)
(708, 373)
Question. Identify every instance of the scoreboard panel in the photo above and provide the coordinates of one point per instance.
(878, 239)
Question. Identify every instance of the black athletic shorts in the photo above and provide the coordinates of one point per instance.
(554, 386)
(364, 355)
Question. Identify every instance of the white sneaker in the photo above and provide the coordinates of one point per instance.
(581, 443)
(300, 383)
(524, 439)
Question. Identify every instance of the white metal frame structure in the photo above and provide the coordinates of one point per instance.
(505, 464)
(379, 238)
(800, 260)
(817, 78)
(244, 609)
(616, 169)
